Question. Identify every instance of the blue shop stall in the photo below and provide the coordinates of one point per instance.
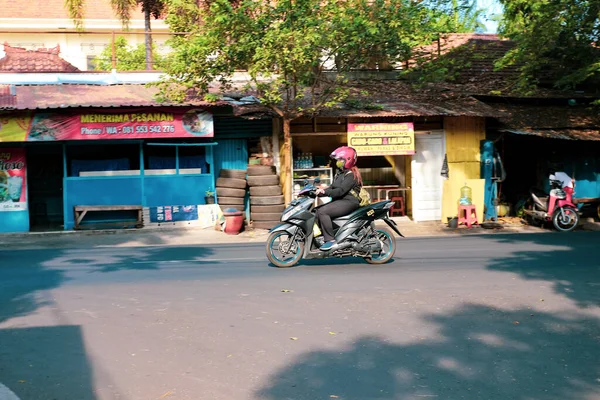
(122, 163)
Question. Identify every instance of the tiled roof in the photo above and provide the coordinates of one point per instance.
(18, 59)
(55, 9)
(8, 100)
(469, 59)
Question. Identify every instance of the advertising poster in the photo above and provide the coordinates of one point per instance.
(148, 123)
(382, 139)
(13, 180)
(173, 214)
(14, 128)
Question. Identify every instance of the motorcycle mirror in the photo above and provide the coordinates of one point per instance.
(305, 182)
(317, 181)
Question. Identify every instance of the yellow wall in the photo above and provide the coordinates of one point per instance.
(463, 142)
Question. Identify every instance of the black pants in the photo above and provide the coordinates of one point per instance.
(333, 210)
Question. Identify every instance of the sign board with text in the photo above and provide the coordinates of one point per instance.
(382, 139)
(13, 179)
(148, 123)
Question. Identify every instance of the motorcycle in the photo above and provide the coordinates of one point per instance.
(356, 234)
(557, 207)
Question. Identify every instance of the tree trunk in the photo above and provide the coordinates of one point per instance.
(285, 159)
(148, 31)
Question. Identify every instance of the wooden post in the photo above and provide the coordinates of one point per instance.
(285, 158)
(114, 51)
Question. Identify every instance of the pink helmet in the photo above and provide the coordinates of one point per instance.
(345, 154)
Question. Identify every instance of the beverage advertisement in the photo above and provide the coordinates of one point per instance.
(381, 139)
(152, 123)
(13, 180)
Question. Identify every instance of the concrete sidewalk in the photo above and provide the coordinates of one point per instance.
(195, 236)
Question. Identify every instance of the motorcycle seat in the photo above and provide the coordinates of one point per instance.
(342, 220)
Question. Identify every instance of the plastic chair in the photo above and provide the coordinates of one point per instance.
(467, 215)
(398, 207)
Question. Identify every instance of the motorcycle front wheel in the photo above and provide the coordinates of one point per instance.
(281, 252)
(567, 220)
(388, 247)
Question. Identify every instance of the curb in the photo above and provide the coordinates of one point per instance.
(124, 238)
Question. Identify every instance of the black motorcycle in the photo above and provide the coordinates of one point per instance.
(356, 234)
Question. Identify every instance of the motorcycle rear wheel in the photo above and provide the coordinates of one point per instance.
(276, 242)
(568, 222)
(389, 249)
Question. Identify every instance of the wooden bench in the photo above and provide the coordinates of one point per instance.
(81, 211)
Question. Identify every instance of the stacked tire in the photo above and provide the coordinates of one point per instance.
(231, 189)
(266, 196)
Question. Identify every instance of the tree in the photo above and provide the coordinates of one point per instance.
(556, 41)
(287, 46)
(128, 58)
(460, 15)
(123, 9)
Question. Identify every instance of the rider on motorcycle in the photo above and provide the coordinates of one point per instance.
(344, 198)
(566, 182)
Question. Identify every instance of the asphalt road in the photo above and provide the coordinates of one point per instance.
(494, 317)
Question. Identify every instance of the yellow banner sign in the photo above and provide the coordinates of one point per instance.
(14, 128)
(382, 139)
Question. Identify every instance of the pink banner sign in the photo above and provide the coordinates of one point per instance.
(13, 179)
(138, 124)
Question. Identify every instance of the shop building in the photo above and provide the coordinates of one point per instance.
(401, 158)
(95, 145)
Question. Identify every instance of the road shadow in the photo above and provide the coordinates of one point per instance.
(22, 280)
(46, 363)
(111, 259)
(570, 262)
(478, 353)
(38, 362)
(51, 362)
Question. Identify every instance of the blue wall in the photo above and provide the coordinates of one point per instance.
(14, 221)
(149, 191)
(587, 179)
(100, 191)
(176, 190)
(231, 154)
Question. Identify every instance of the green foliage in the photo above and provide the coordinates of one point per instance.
(122, 9)
(128, 58)
(555, 41)
(286, 46)
(458, 16)
(211, 97)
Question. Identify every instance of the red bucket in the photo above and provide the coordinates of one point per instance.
(234, 222)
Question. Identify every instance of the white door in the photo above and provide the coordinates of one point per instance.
(427, 184)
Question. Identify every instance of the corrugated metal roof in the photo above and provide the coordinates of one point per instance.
(564, 134)
(71, 96)
(8, 101)
(413, 109)
(579, 122)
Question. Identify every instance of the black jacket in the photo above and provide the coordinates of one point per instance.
(343, 183)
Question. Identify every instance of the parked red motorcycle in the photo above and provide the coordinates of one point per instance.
(557, 207)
